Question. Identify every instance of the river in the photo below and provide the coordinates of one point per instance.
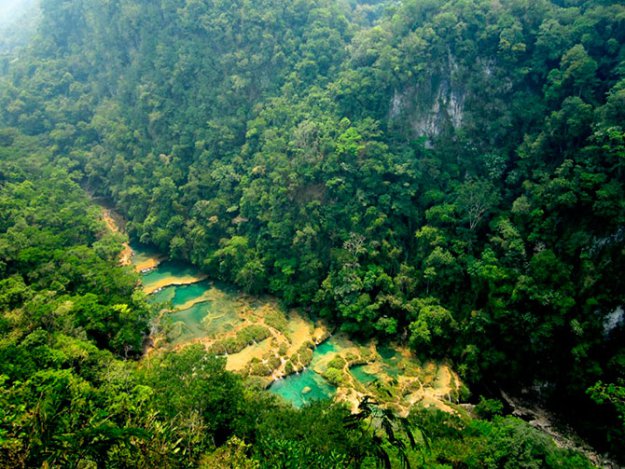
(294, 357)
(282, 349)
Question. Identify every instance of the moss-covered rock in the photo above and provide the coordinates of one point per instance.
(337, 362)
(334, 376)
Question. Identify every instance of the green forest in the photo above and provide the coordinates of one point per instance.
(448, 175)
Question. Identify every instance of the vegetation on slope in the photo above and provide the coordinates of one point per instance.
(445, 172)
(69, 313)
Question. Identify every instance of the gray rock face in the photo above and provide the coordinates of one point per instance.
(434, 103)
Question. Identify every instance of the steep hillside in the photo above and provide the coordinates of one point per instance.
(445, 173)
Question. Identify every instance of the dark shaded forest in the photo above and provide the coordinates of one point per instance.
(446, 174)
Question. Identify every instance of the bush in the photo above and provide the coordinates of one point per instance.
(277, 320)
(334, 376)
(488, 408)
(244, 337)
(337, 362)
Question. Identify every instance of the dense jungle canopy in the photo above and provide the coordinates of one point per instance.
(446, 174)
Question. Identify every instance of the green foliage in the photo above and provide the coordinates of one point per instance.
(55, 276)
(334, 376)
(446, 173)
(244, 337)
(612, 393)
(432, 327)
(277, 320)
(502, 442)
(488, 408)
(316, 437)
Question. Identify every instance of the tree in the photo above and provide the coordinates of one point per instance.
(475, 199)
(433, 329)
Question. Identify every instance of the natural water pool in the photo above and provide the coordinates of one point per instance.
(210, 313)
(302, 388)
(144, 258)
(170, 273)
(203, 320)
(181, 294)
(360, 373)
(307, 386)
(201, 309)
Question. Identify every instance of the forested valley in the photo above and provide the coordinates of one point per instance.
(445, 175)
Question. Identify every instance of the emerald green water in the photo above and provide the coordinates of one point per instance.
(387, 353)
(219, 313)
(168, 269)
(326, 347)
(206, 318)
(292, 388)
(329, 346)
(179, 295)
(390, 361)
(188, 324)
(361, 375)
(140, 253)
(166, 295)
